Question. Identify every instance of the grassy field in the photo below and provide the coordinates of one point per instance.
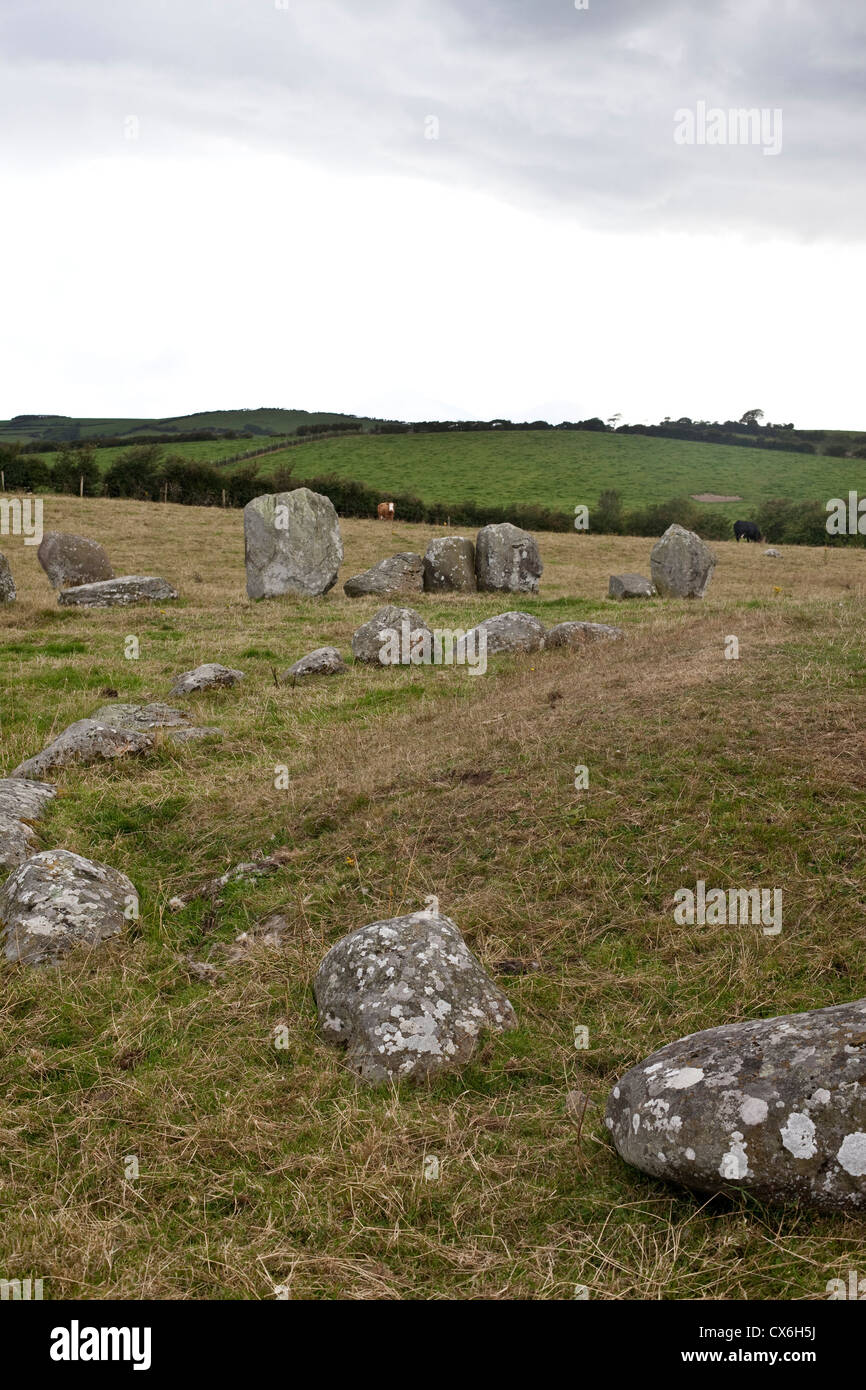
(262, 1167)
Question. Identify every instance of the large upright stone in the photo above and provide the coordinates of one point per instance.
(507, 558)
(681, 564)
(293, 544)
(71, 560)
(7, 583)
(407, 997)
(775, 1107)
(399, 574)
(57, 900)
(449, 565)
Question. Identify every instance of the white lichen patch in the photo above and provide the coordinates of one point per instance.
(753, 1110)
(852, 1154)
(798, 1135)
(681, 1078)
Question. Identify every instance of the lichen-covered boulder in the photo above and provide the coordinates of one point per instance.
(776, 1108)
(506, 632)
(578, 634)
(324, 661)
(407, 997)
(117, 593)
(399, 574)
(392, 630)
(681, 564)
(449, 565)
(85, 741)
(21, 803)
(7, 583)
(57, 900)
(292, 544)
(507, 558)
(206, 677)
(70, 560)
(622, 586)
(156, 716)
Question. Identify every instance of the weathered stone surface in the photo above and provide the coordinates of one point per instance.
(57, 900)
(623, 586)
(7, 583)
(205, 677)
(367, 644)
(407, 997)
(86, 741)
(776, 1107)
(399, 574)
(681, 564)
(114, 593)
(21, 803)
(578, 634)
(449, 565)
(507, 558)
(70, 561)
(293, 544)
(154, 716)
(773, 552)
(193, 734)
(324, 661)
(506, 632)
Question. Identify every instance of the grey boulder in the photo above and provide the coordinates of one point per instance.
(507, 558)
(506, 632)
(449, 565)
(407, 998)
(578, 634)
(21, 803)
(773, 553)
(58, 900)
(681, 564)
(70, 560)
(207, 677)
(292, 544)
(86, 741)
(116, 593)
(324, 661)
(7, 583)
(621, 586)
(399, 574)
(154, 716)
(372, 641)
(776, 1108)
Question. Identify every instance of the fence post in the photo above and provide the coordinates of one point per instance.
(81, 485)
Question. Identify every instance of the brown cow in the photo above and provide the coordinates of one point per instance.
(385, 511)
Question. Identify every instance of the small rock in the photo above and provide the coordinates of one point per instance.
(324, 661)
(449, 565)
(292, 544)
(407, 997)
(506, 632)
(513, 965)
(507, 558)
(70, 561)
(113, 593)
(621, 586)
(57, 900)
(405, 622)
(578, 634)
(773, 552)
(86, 741)
(205, 677)
(681, 564)
(399, 574)
(7, 583)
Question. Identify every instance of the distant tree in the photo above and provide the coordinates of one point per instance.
(74, 464)
(752, 418)
(606, 516)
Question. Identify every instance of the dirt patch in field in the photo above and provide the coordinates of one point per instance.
(713, 497)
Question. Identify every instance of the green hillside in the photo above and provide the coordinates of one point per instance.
(560, 469)
(59, 428)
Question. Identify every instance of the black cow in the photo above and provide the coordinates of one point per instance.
(749, 529)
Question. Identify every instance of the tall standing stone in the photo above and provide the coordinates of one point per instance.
(293, 544)
(449, 565)
(7, 583)
(507, 558)
(681, 564)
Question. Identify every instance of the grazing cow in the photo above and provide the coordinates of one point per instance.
(749, 529)
(385, 511)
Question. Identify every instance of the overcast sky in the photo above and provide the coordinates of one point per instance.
(433, 208)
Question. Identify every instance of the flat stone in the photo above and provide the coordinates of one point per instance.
(776, 1108)
(70, 561)
(506, 632)
(58, 900)
(7, 583)
(681, 564)
(622, 586)
(449, 565)
(114, 593)
(367, 643)
(292, 544)
(507, 558)
(21, 803)
(578, 634)
(324, 661)
(407, 998)
(399, 574)
(205, 677)
(156, 716)
(86, 741)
